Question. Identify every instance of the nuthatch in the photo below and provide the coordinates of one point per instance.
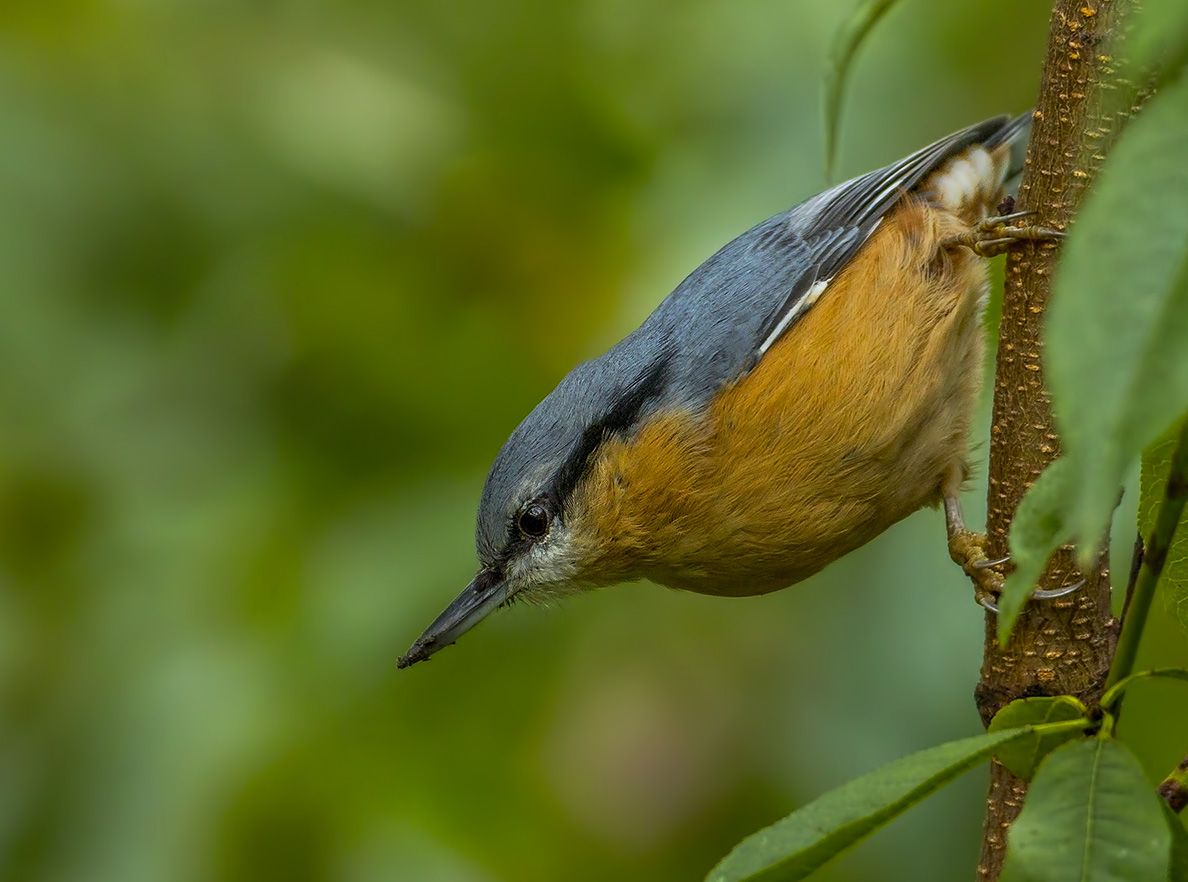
(805, 388)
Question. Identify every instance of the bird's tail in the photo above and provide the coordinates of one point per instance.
(1016, 133)
(971, 183)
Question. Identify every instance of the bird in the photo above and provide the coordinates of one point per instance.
(806, 387)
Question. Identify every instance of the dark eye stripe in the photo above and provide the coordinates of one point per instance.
(622, 416)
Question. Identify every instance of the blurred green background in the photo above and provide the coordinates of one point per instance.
(276, 281)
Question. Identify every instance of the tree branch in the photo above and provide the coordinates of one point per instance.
(1062, 646)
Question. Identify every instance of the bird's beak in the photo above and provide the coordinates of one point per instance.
(486, 592)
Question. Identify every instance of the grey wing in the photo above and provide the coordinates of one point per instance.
(833, 225)
(720, 320)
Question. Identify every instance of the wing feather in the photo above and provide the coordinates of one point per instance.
(836, 223)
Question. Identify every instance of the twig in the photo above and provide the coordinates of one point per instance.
(1157, 547)
(1136, 564)
(1060, 646)
(1174, 788)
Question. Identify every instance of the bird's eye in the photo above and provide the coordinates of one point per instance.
(534, 521)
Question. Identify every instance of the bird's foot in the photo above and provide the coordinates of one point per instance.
(996, 235)
(968, 550)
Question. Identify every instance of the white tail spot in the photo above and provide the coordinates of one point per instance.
(970, 177)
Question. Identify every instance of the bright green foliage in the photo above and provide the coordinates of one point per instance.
(1023, 755)
(1173, 583)
(796, 846)
(1119, 317)
(1090, 816)
(1119, 313)
(1115, 338)
(1167, 518)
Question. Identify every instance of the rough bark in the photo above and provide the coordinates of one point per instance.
(1062, 646)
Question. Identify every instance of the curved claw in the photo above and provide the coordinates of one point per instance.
(990, 564)
(1049, 594)
(1012, 216)
(968, 549)
(1053, 593)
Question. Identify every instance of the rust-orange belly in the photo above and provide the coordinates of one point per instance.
(849, 423)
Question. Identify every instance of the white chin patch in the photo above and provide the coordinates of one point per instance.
(547, 571)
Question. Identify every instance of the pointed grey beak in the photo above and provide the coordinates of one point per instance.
(486, 592)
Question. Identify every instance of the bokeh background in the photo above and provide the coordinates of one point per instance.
(276, 281)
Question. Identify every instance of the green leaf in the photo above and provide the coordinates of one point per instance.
(1038, 528)
(796, 846)
(1023, 755)
(1173, 583)
(1159, 39)
(845, 45)
(1090, 816)
(1119, 314)
(1179, 850)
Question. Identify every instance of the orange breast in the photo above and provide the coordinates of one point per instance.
(848, 424)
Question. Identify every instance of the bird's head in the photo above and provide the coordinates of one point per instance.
(536, 532)
(526, 552)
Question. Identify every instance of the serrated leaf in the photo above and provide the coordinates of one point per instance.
(1119, 314)
(1090, 816)
(793, 848)
(841, 57)
(1039, 527)
(1025, 754)
(1173, 583)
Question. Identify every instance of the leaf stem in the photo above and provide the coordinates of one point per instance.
(1136, 564)
(1155, 556)
(841, 57)
(1113, 695)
